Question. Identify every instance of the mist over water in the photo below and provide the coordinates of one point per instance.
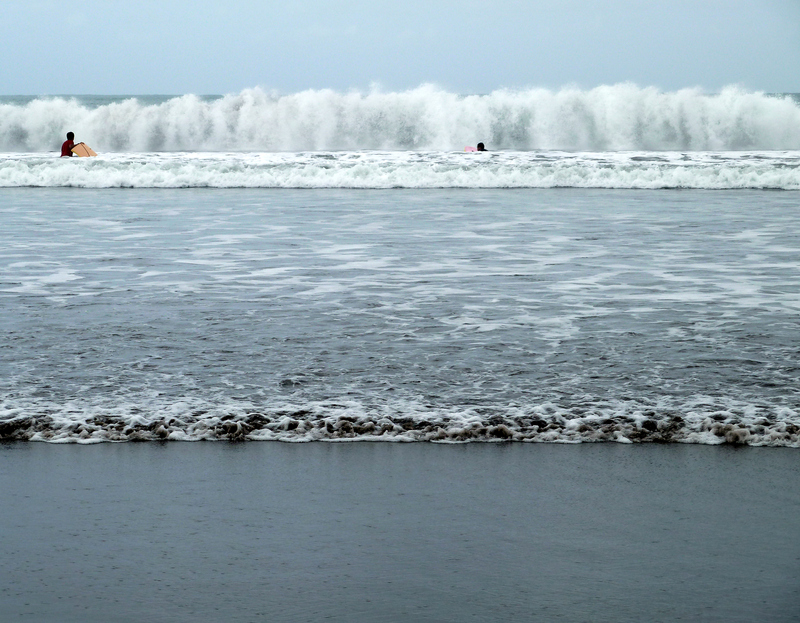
(607, 118)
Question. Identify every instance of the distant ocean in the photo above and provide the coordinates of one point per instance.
(621, 266)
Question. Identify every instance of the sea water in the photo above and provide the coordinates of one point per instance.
(624, 268)
(542, 315)
(322, 266)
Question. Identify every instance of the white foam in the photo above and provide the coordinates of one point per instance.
(697, 420)
(702, 170)
(607, 118)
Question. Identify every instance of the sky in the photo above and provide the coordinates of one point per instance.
(124, 47)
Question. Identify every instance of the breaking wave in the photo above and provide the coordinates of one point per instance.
(607, 118)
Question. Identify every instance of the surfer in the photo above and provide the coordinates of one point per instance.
(66, 146)
(481, 147)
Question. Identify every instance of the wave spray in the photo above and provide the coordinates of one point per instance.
(607, 118)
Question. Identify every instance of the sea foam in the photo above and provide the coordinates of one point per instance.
(408, 169)
(607, 118)
(698, 420)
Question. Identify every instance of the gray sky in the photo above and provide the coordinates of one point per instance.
(465, 46)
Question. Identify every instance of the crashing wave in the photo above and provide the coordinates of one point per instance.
(606, 118)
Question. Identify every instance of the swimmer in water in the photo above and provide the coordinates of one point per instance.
(66, 146)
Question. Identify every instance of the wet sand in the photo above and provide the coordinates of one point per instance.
(208, 532)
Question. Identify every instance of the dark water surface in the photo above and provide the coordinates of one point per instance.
(211, 532)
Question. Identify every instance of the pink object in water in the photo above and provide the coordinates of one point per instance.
(470, 149)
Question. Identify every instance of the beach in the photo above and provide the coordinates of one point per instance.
(215, 531)
(257, 365)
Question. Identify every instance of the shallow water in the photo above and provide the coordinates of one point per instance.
(444, 315)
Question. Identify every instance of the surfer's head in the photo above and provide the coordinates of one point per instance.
(481, 147)
(70, 136)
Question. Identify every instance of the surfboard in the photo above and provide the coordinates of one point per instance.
(83, 150)
(465, 149)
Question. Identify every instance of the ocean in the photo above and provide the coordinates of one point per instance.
(621, 266)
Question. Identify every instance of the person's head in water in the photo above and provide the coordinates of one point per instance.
(70, 136)
(481, 147)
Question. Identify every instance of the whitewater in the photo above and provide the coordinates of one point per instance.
(397, 169)
(618, 136)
